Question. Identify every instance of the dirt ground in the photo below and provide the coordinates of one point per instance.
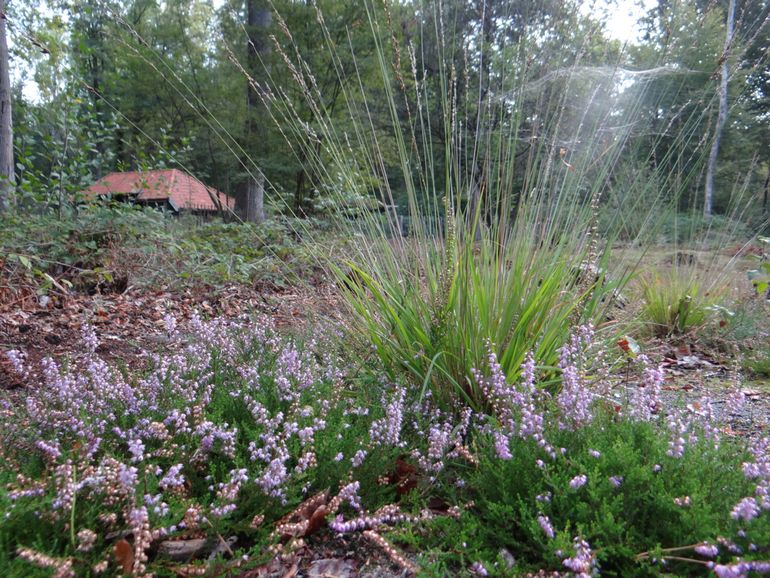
(130, 325)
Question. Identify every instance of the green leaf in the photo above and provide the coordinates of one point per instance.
(25, 261)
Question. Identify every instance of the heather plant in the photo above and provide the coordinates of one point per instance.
(258, 440)
(237, 407)
(602, 481)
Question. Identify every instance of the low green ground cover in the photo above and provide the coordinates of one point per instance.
(238, 430)
(106, 247)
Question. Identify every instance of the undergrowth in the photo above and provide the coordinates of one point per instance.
(675, 302)
(268, 443)
(107, 247)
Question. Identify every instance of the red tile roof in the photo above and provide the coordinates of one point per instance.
(182, 190)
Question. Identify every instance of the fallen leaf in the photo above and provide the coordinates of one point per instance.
(124, 555)
(317, 520)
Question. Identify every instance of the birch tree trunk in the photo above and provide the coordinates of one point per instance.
(258, 20)
(708, 197)
(7, 177)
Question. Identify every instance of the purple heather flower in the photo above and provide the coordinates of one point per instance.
(735, 402)
(678, 427)
(502, 444)
(173, 477)
(51, 450)
(273, 478)
(478, 569)
(578, 481)
(732, 571)
(616, 480)
(349, 494)
(136, 448)
(575, 398)
(16, 358)
(583, 563)
(128, 476)
(644, 399)
(358, 458)
(731, 547)
(707, 550)
(595, 453)
(746, 510)
(387, 430)
(545, 525)
(89, 338)
(438, 443)
(169, 321)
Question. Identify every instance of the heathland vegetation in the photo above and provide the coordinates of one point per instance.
(492, 299)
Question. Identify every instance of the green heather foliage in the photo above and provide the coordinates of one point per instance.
(620, 523)
(244, 424)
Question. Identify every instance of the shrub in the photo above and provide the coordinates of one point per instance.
(103, 243)
(97, 451)
(230, 436)
(594, 485)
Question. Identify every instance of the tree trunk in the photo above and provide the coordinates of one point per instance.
(708, 197)
(258, 20)
(255, 199)
(7, 176)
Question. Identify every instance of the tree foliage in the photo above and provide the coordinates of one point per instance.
(142, 83)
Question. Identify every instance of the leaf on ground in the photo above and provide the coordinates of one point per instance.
(124, 555)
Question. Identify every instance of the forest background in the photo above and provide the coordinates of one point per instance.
(144, 84)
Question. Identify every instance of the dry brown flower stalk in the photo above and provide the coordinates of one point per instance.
(62, 567)
(466, 454)
(86, 540)
(142, 540)
(192, 570)
(391, 551)
(257, 520)
(192, 517)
